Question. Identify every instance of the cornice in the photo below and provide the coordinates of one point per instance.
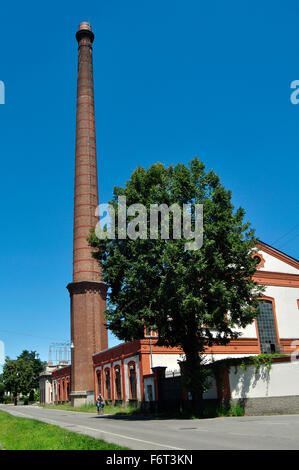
(270, 278)
(83, 287)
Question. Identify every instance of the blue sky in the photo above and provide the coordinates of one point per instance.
(173, 79)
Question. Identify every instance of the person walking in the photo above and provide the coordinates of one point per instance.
(100, 404)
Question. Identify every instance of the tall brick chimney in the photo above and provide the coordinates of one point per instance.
(87, 291)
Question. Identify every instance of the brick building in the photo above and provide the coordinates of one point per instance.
(130, 371)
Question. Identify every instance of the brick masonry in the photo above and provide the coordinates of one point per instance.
(269, 405)
(87, 292)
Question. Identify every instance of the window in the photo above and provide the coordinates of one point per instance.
(132, 378)
(150, 392)
(266, 328)
(99, 383)
(108, 390)
(260, 259)
(118, 383)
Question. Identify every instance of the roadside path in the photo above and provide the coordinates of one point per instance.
(246, 432)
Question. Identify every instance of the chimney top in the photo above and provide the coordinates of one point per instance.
(85, 26)
(84, 31)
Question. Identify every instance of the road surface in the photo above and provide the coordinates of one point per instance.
(235, 433)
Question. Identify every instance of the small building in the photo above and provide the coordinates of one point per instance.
(129, 372)
(133, 372)
(54, 383)
(45, 384)
(126, 373)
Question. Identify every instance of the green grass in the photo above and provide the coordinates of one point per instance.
(108, 409)
(232, 409)
(29, 434)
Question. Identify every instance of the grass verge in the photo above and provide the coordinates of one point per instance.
(108, 409)
(232, 409)
(221, 411)
(29, 434)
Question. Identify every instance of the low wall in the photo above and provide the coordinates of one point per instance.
(266, 391)
(269, 405)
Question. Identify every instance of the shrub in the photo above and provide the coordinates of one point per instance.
(24, 400)
(236, 409)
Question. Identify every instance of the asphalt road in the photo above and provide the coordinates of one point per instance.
(237, 433)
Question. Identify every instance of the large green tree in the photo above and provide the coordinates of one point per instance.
(21, 375)
(2, 388)
(192, 298)
(37, 364)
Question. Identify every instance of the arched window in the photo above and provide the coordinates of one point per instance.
(99, 382)
(117, 382)
(107, 380)
(260, 260)
(132, 379)
(266, 328)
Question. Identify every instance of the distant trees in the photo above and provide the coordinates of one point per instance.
(2, 388)
(21, 375)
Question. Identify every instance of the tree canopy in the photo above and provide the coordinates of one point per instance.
(192, 298)
(21, 375)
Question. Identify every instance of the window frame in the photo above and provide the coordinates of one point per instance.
(116, 396)
(108, 369)
(272, 300)
(132, 363)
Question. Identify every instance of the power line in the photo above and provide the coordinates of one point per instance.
(287, 233)
(284, 244)
(25, 334)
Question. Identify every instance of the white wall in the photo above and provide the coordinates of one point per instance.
(286, 307)
(218, 357)
(248, 332)
(167, 360)
(275, 265)
(281, 380)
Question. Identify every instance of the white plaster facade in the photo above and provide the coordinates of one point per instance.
(276, 265)
(168, 360)
(281, 380)
(285, 300)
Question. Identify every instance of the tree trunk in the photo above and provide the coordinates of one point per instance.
(193, 379)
